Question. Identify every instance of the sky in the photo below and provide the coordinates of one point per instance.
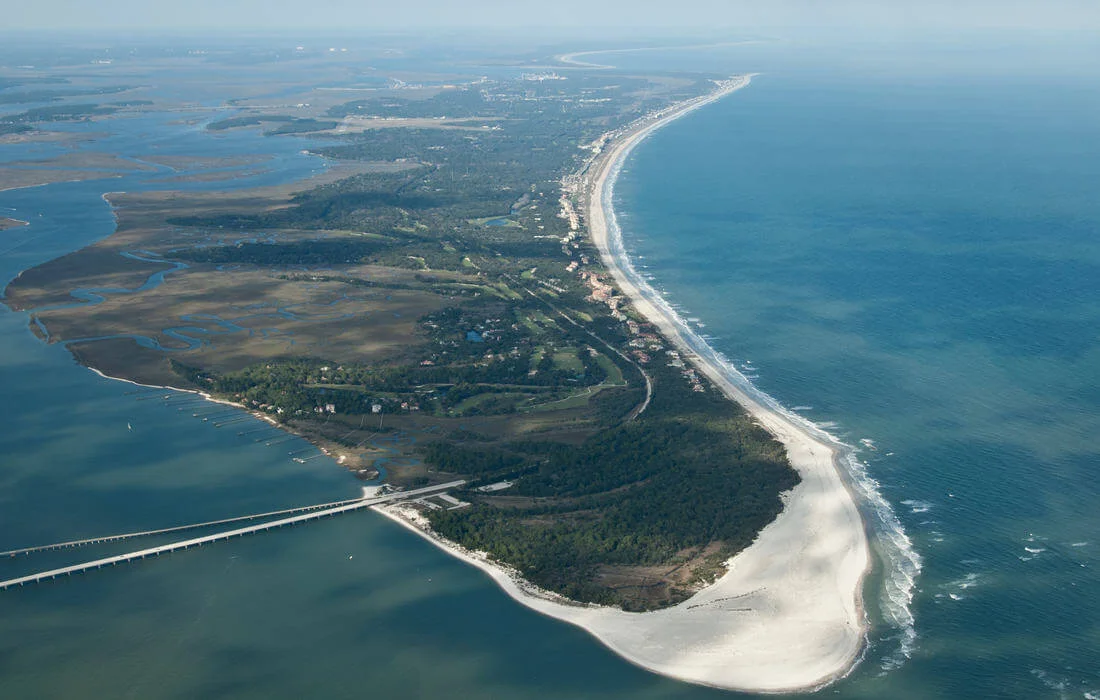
(549, 16)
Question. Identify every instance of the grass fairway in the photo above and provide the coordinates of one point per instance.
(614, 374)
(577, 399)
(566, 360)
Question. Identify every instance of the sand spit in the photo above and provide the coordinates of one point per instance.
(7, 222)
(787, 616)
(573, 59)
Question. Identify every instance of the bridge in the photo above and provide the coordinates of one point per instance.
(302, 517)
(164, 531)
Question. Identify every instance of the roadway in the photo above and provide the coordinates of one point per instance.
(357, 504)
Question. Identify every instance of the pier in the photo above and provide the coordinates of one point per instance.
(313, 513)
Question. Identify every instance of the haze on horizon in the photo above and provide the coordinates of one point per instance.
(606, 16)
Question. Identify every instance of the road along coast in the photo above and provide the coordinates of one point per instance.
(788, 613)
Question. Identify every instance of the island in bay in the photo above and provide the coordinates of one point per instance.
(6, 223)
(456, 276)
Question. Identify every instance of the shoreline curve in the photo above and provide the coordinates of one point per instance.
(787, 615)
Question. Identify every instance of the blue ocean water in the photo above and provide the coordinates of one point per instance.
(911, 261)
(904, 255)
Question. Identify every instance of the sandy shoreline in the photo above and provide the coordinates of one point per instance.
(787, 615)
(571, 59)
(255, 414)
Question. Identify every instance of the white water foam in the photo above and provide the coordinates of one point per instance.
(967, 582)
(958, 586)
(902, 563)
(1058, 684)
(916, 506)
(1032, 552)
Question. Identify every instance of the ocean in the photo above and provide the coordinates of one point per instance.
(904, 253)
(909, 260)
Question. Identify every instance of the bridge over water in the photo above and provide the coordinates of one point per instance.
(178, 528)
(313, 513)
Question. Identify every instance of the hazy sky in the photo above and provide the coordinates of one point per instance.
(550, 14)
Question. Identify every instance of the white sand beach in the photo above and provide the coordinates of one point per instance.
(787, 615)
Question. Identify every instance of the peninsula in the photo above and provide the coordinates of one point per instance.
(451, 301)
(787, 615)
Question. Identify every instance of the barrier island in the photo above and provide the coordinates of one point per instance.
(454, 286)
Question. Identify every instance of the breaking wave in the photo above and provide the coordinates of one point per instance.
(901, 562)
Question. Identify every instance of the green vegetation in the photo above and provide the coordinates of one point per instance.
(10, 128)
(513, 362)
(286, 125)
(58, 113)
(58, 94)
(450, 374)
(314, 252)
(25, 121)
(693, 472)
